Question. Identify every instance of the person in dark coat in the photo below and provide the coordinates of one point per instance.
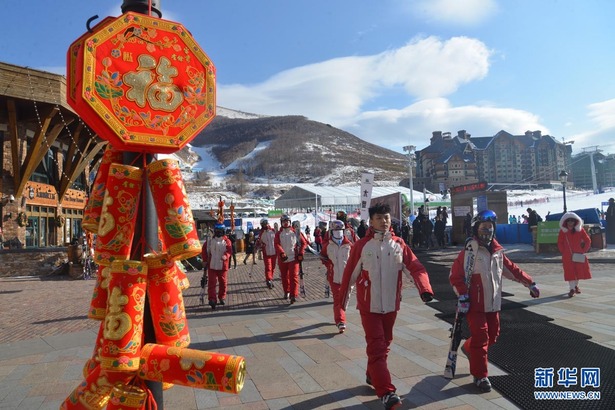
(362, 229)
(233, 238)
(532, 223)
(416, 232)
(610, 222)
(405, 232)
(250, 242)
(439, 229)
(427, 232)
(467, 225)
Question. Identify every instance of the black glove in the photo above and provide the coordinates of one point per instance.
(426, 297)
(284, 257)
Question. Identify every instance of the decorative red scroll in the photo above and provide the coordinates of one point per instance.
(174, 213)
(194, 368)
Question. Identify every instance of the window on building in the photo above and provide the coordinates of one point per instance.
(40, 230)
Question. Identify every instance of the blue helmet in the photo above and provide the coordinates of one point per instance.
(484, 216)
(220, 226)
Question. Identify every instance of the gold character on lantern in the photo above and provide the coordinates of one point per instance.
(117, 323)
(161, 95)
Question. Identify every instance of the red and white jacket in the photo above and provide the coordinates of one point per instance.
(286, 242)
(216, 253)
(266, 241)
(486, 283)
(336, 258)
(376, 267)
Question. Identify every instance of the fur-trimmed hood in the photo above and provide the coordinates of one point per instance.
(571, 215)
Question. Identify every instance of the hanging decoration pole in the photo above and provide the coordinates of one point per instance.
(148, 235)
(156, 102)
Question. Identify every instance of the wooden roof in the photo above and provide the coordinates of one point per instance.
(35, 100)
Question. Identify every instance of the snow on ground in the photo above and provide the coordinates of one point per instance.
(228, 113)
(549, 200)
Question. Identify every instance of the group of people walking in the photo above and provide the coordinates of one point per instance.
(374, 265)
(424, 230)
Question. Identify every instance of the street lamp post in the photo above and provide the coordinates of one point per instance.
(563, 177)
(410, 150)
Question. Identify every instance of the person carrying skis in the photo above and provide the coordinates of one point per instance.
(290, 248)
(266, 243)
(376, 264)
(482, 301)
(334, 255)
(216, 258)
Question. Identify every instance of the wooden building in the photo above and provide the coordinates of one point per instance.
(46, 152)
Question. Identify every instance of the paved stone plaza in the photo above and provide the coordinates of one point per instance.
(295, 357)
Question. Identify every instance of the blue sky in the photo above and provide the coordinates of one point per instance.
(388, 71)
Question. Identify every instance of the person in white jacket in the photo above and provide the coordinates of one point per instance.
(290, 248)
(334, 255)
(376, 264)
(483, 259)
(266, 243)
(216, 254)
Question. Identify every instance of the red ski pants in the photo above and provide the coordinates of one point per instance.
(339, 315)
(290, 277)
(269, 262)
(379, 335)
(215, 276)
(484, 331)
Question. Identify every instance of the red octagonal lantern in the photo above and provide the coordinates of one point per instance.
(146, 84)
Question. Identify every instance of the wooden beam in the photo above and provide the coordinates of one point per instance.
(38, 149)
(10, 105)
(72, 148)
(79, 168)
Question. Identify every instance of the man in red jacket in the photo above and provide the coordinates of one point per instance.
(482, 300)
(376, 264)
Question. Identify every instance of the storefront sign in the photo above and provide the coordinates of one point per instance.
(476, 187)
(74, 199)
(41, 194)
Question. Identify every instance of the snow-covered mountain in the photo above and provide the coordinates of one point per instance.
(289, 149)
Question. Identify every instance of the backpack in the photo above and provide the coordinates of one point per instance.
(538, 218)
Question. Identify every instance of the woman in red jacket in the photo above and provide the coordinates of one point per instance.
(572, 239)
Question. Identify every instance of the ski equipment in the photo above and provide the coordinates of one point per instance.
(451, 360)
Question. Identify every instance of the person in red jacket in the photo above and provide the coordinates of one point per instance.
(290, 248)
(266, 242)
(348, 229)
(571, 239)
(216, 254)
(484, 260)
(318, 238)
(334, 255)
(376, 264)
